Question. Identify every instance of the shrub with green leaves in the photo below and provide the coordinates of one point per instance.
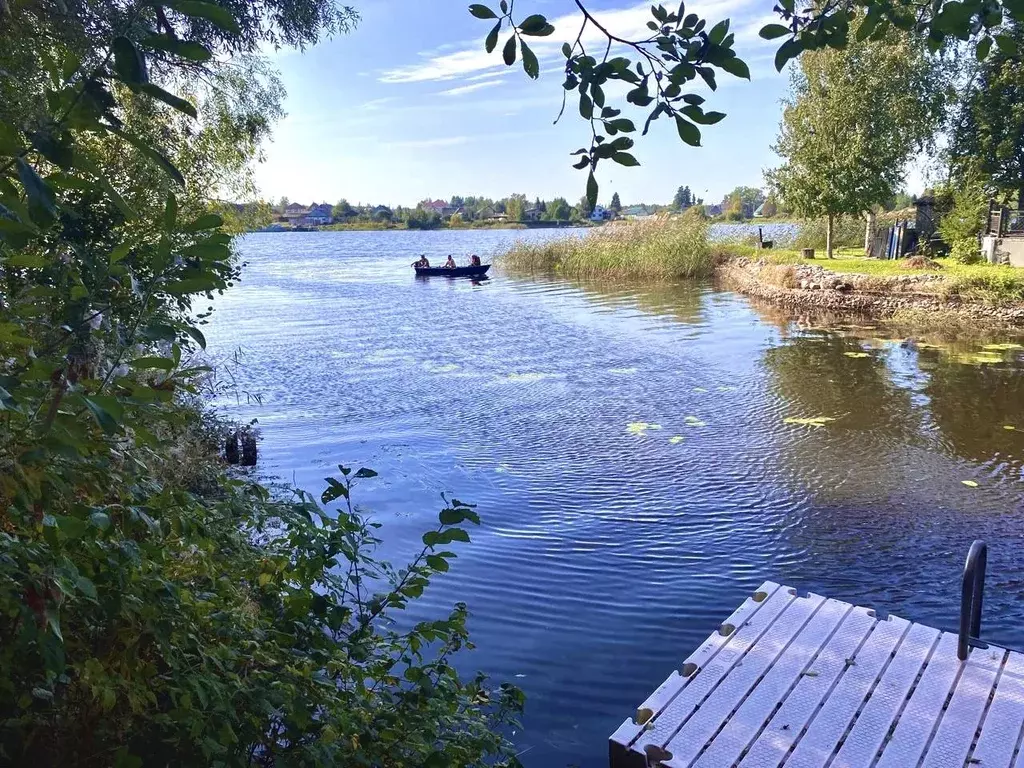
(155, 610)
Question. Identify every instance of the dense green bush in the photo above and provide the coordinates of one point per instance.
(961, 226)
(155, 610)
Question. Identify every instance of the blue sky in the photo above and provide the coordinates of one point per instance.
(410, 106)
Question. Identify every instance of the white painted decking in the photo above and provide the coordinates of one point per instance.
(809, 682)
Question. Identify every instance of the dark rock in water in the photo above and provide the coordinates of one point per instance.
(248, 439)
(231, 448)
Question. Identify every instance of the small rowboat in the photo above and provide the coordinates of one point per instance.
(456, 272)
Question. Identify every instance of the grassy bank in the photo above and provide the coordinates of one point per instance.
(658, 249)
(987, 283)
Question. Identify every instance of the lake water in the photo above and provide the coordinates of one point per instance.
(610, 549)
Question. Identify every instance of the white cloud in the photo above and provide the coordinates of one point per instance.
(443, 141)
(629, 23)
(463, 89)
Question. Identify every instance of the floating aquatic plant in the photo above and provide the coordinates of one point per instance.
(813, 421)
(640, 427)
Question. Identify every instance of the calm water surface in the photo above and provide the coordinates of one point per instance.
(610, 549)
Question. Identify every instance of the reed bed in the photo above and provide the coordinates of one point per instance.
(661, 248)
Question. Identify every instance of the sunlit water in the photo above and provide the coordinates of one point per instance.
(609, 549)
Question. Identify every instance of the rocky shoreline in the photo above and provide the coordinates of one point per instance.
(810, 287)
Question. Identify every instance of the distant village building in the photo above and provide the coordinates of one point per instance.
(532, 214)
(440, 207)
(318, 215)
(636, 212)
(600, 213)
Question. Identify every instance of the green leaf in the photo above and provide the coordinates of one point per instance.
(103, 417)
(451, 516)
(151, 153)
(335, 490)
(772, 31)
(100, 519)
(688, 132)
(492, 38)
(482, 11)
(119, 202)
(718, 32)
(71, 527)
(10, 140)
(120, 252)
(1007, 45)
(566, 50)
(508, 53)
(213, 13)
(162, 363)
(364, 473)
(180, 104)
(592, 190)
(788, 50)
(586, 107)
(737, 67)
(189, 285)
(196, 335)
(984, 46)
(438, 563)
(87, 588)
(26, 261)
(129, 63)
(186, 49)
(170, 211)
(699, 116)
(623, 124)
(206, 221)
(39, 194)
(534, 24)
(624, 158)
(208, 251)
(530, 63)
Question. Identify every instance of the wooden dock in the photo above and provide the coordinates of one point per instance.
(811, 682)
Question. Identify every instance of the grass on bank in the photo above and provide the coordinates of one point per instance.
(658, 249)
(987, 283)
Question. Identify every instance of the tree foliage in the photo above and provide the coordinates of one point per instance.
(682, 46)
(683, 199)
(157, 611)
(986, 134)
(854, 118)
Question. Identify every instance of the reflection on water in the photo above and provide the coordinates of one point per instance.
(629, 451)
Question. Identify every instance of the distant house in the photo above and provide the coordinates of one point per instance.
(440, 207)
(317, 215)
(600, 213)
(636, 212)
(532, 214)
(382, 213)
(713, 210)
(488, 213)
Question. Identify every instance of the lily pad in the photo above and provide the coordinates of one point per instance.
(969, 483)
(676, 439)
(811, 421)
(693, 421)
(1009, 427)
(640, 427)
(530, 376)
(622, 371)
(857, 354)
(1003, 347)
(726, 389)
(699, 389)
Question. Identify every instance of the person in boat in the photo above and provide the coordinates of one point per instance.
(450, 264)
(422, 263)
(474, 260)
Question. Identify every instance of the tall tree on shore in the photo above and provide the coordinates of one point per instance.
(616, 204)
(683, 199)
(988, 132)
(853, 120)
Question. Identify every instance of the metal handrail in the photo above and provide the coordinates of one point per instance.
(971, 593)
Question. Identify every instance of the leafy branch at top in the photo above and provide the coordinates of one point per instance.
(680, 48)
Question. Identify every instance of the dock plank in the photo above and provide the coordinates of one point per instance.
(923, 710)
(811, 682)
(785, 727)
(746, 723)
(698, 731)
(1004, 722)
(869, 732)
(955, 735)
(660, 730)
(826, 730)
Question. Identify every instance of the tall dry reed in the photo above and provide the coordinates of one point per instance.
(659, 248)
